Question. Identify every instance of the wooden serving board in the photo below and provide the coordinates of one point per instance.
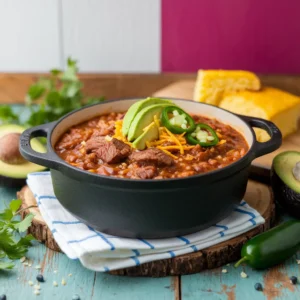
(258, 196)
(184, 90)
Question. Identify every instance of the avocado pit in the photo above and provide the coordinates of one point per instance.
(9, 149)
(296, 171)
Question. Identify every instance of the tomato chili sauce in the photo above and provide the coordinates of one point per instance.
(76, 148)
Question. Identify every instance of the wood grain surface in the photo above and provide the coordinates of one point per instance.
(257, 196)
(184, 89)
(13, 87)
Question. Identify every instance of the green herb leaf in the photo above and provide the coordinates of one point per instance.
(26, 240)
(37, 118)
(52, 96)
(70, 72)
(9, 246)
(7, 115)
(46, 83)
(6, 215)
(53, 99)
(15, 205)
(36, 91)
(13, 244)
(24, 224)
(6, 265)
(55, 72)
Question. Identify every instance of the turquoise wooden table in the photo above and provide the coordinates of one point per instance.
(211, 284)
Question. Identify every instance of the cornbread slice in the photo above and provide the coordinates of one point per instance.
(211, 84)
(280, 107)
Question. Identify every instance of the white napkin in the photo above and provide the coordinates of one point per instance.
(102, 252)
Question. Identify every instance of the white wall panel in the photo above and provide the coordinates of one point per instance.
(29, 35)
(112, 35)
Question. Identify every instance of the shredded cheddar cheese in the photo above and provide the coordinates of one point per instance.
(118, 132)
(167, 141)
(222, 142)
(173, 137)
(167, 152)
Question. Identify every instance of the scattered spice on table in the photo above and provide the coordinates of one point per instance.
(63, 282)
(36, 292)
(22, 259)
(38, 267)
(70, 275)
(30, 283)
(224, 271)
(244, 275)
(55, 283)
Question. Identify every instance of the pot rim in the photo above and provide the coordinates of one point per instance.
(213, 175)
(166, 179)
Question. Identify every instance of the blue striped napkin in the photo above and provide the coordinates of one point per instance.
(102, 252)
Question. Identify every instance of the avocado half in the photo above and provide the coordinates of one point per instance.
(285, 181)
(14, 175)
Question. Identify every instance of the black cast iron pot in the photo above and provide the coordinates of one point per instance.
(149, 208)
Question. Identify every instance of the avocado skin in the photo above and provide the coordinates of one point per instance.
(11, 182)
(287, 198)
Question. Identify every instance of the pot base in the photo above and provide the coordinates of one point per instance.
(258, 196)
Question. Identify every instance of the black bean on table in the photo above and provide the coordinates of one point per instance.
(293, 280)
(40, 278)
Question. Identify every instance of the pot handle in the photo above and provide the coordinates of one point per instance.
(44, 159)
(274, 132)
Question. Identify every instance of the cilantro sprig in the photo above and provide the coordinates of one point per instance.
(13, 242)
(51, 97)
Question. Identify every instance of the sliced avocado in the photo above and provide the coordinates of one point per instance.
(285, 181)
(143, 119)
(136, 108)
(151, 133)
(14, 172)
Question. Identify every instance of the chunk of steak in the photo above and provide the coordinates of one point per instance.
(94, 143)
(111, 152)
(152, 156)
(200, 153)
(147, 172)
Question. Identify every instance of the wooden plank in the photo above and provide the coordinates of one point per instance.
(110, 287)
(217, 285)
(113, 36)
(29, 33)
(13, 87)
(83, 282)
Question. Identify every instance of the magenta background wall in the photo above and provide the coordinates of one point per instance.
(257, 35)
